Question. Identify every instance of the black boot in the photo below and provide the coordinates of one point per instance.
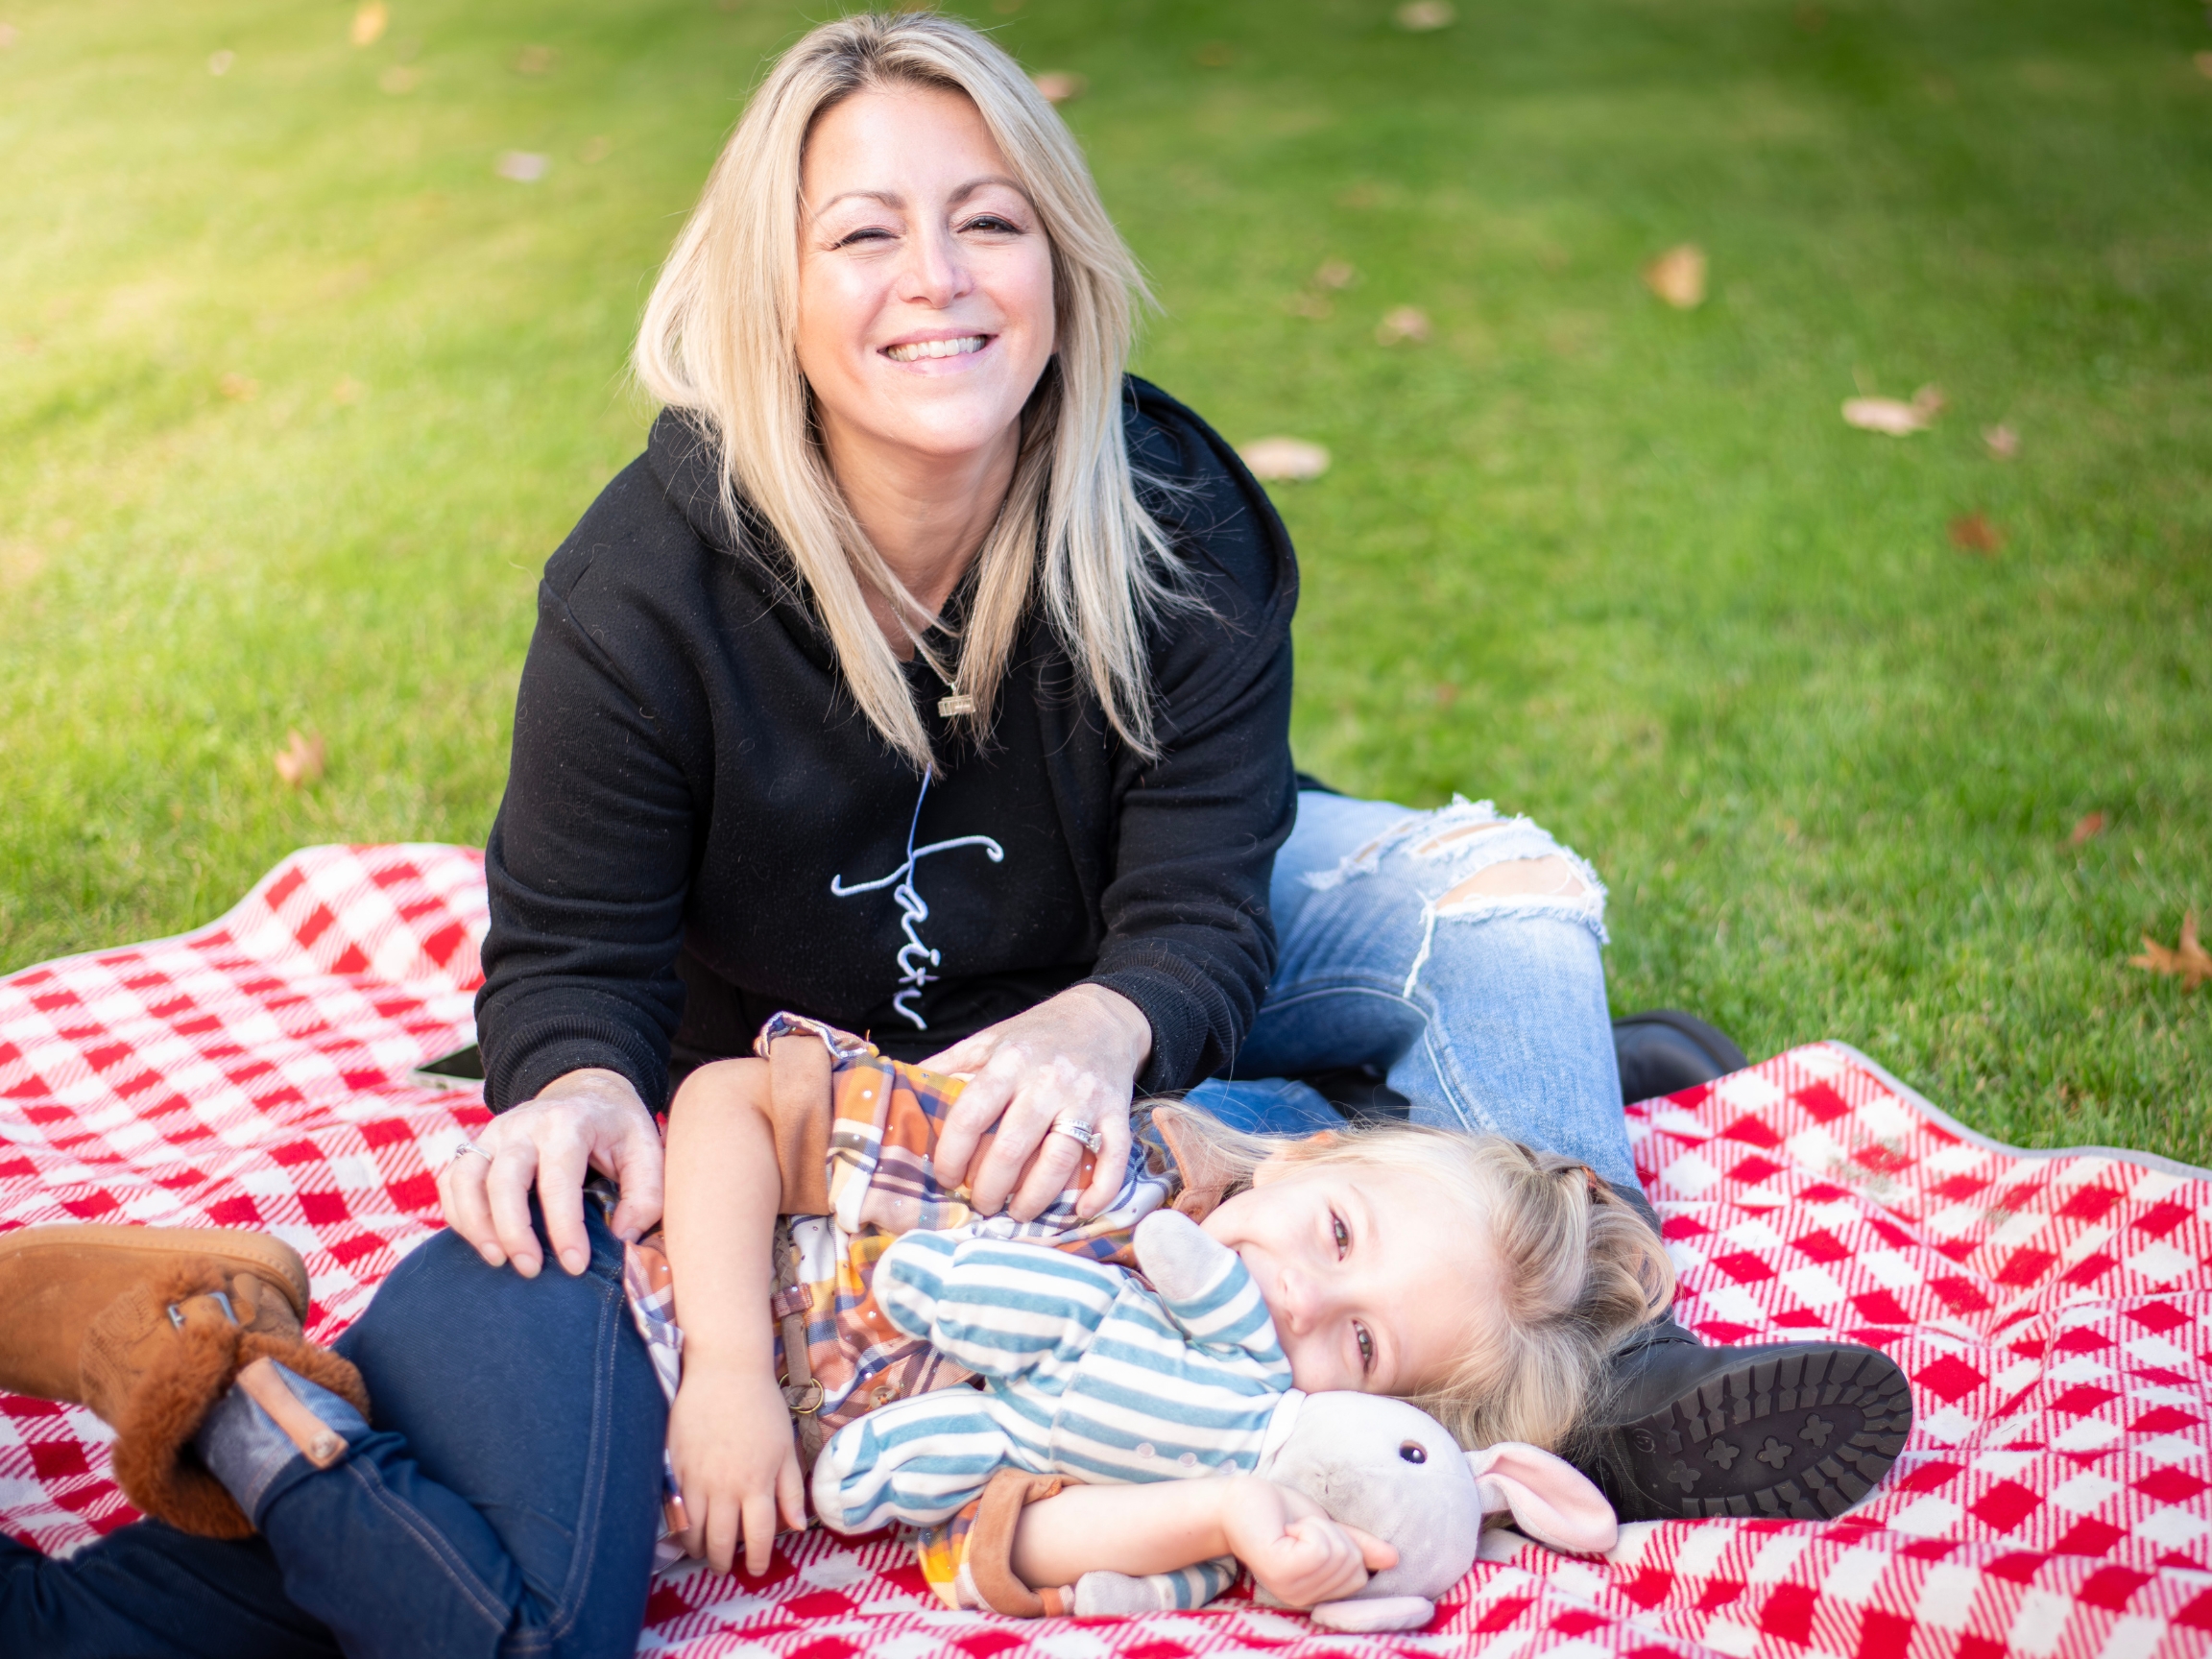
(1801, 1429)
(1681, 1430)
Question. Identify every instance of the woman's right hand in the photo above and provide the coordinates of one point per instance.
(730, 1443)
(589, 1120)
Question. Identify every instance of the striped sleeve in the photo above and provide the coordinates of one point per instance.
(997, 1309)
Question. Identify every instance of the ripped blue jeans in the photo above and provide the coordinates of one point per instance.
(1456, 950)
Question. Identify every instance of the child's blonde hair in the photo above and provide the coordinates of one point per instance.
(1578, 1268)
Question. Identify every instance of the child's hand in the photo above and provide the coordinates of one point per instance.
(729, 1441)
(1295, 1552)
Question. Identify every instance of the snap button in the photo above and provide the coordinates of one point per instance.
(1189, 1459)
(1143, 1448)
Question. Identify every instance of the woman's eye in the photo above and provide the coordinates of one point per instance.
(1342, 1233)
(993, 223)
(1366, 1348)
(871, 235)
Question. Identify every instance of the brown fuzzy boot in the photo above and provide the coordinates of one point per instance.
(149, 1327)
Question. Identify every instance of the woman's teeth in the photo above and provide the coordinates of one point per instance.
(959, 348)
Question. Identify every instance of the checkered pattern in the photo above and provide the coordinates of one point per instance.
(2055, 1499)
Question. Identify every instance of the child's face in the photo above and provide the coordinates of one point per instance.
(1372, 1276)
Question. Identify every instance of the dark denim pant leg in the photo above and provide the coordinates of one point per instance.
(507, 1501)
(149, 1592)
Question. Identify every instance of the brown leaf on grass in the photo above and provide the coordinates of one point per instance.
(1401, 324)
(7, 36)
(1308, 303)
(1422, 16)
(1216, 54)
(2002, 442)
(1060, 86)
(1284, 460)
(536, 61)
(1335, 274)
(595, 150)
(523, 167)
(348, 391)
(2188, 961)
(219, 62)
(1889, 416)
(2204, 61)
(239, 388)
(1975, 534)
(1678, 277)
(2090, 827)
(400, 79)
(299, 762)
(370, 22)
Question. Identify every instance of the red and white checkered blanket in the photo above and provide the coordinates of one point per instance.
(2055, 1499)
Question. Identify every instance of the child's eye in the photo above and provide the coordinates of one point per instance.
(1340, 1233)
(1366, 1348)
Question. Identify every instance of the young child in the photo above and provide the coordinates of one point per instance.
(1472, 1276)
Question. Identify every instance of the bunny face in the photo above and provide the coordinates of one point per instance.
(1389, 1469)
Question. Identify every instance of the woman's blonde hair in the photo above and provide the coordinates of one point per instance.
(717, 343)
(1578, 1268)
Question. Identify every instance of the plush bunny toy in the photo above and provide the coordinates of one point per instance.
(1390, 1468)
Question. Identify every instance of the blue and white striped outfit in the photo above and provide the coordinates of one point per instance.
(1087, 1374)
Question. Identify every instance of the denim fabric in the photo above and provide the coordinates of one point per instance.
(505, 1502)
(1488, 1013)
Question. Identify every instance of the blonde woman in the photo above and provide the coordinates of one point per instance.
(928, 678)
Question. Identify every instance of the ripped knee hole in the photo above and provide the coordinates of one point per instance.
(1551, 877)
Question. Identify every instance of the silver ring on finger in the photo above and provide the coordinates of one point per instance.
(1068, 1123)
(468, 1146)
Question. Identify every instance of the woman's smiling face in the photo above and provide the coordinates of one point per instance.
(1373, 1276)
(924, 277)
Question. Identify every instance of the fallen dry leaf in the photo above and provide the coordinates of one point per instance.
(1335, 274)
(239, 388)
(1307, 303)
(219, 62)
(595, 150)
(1404, 322)
(1889, 415)
(1216, 54)
(2204, 63)
(400, 79)
(523, 167)
(348, 391)
(2092, 825)
(1280, 460)
(8, 35)
(1975, 534)
(536, 61)
(370, 22)
(1060, 86)
(2188, 960)
(1678, 277)
(2003, 442)
(299, 762)
(1420, 16)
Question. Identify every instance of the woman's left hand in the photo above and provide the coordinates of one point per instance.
(1074, 1056)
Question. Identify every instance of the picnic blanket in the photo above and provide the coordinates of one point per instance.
(2055, 1499)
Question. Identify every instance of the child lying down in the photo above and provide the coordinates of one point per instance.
(1138, 1412)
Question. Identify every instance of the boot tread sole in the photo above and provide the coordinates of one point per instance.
(1699, 1440)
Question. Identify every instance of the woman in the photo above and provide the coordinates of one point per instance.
(928, 678)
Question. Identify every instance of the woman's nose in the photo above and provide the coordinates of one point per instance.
(935, 274)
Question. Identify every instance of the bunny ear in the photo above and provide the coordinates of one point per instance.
(1549, 1498)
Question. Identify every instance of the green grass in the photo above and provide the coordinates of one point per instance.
(1621, 566)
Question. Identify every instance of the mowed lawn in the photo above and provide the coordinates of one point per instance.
(296, 392)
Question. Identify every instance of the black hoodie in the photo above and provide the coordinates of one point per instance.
(700, 828)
